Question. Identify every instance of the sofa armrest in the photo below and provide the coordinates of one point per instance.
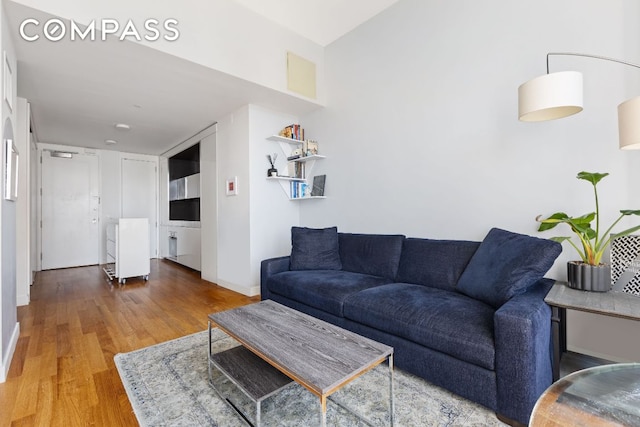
(268, 268)
(522, 328)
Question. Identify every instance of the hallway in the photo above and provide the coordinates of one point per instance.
(63, 372)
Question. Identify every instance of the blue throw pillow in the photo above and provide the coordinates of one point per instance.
(314, 249)
(506, 264)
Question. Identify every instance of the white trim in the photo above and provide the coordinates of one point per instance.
(251, 292)
(597, 354)
(22, 299)
(6, 362)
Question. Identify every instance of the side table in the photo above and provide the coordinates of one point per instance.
(561, 297)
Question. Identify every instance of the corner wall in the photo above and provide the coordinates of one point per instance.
(255, 224)
(422, 132)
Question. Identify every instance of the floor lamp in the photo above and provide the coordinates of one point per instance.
(556, 95)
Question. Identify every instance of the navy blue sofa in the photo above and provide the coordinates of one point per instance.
(466, 316)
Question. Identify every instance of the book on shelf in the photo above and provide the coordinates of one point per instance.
(310, 148)
(296, 170)
(318, 185)
(299, 189)
(293, 131)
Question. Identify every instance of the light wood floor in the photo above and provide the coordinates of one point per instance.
(63, 374)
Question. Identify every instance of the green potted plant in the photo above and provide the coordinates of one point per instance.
(590, 273)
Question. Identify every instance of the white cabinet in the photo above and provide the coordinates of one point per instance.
(184, 246)
(128, 249)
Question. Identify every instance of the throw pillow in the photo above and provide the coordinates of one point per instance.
(314, 249)
(506, 264)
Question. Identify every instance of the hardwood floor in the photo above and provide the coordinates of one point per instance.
(63, 374)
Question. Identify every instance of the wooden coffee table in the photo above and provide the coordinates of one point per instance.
(317, 355)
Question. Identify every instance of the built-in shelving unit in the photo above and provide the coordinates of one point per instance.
(184, 185)
(290, 185)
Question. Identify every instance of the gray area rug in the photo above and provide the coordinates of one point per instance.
(168, 385)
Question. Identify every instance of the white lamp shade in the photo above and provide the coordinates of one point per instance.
(550, 97)
(629, 124)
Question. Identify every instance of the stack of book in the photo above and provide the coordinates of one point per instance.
(299, 189)
(293, 131)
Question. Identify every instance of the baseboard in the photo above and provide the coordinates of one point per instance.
(6, 361)
(251, 292)
(596, 354)
(22, 300)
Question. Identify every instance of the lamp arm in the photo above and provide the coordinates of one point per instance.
(586, 55)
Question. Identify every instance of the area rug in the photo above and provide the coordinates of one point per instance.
(168, 385)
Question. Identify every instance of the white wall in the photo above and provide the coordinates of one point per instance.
(255, 224)
(9, 326)
(272, 213)
(23, 204)
(110, 200)
(421, 125)
(209, 208)
(232, 154)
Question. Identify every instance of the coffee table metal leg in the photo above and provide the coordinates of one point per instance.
(209, 353)
(391, 405)
(323, 411)
(258, 410)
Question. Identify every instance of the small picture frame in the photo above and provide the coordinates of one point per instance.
(11, 170)
(232, 186)
(8, 81)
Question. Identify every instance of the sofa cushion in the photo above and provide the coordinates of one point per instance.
(322, 289)
(374, 254)
(314, 249)
(435, 263)
(445, 321)
(506, 264)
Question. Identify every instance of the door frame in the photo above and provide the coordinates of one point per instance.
(41, 149)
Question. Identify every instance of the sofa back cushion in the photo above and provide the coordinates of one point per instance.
(506, 264)
(314, 249)
(374, 254)
(434, 263)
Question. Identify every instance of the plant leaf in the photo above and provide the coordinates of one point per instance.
(552, 221)
(629, 212)
(586, 218)
(560, 239)
(592, 177)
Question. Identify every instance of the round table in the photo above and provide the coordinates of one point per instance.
(607, 395)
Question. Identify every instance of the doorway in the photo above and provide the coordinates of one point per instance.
(70, 209)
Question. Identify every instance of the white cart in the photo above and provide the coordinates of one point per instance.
(128, 249)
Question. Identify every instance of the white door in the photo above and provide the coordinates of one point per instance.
(139, 199)
(70, 210)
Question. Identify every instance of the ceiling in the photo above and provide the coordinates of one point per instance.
(79, 91)
(321, 21)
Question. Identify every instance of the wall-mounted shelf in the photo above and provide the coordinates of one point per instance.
(285, 178)
(307, 198)
(278, 138)
(292, 186)
(308, 158)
